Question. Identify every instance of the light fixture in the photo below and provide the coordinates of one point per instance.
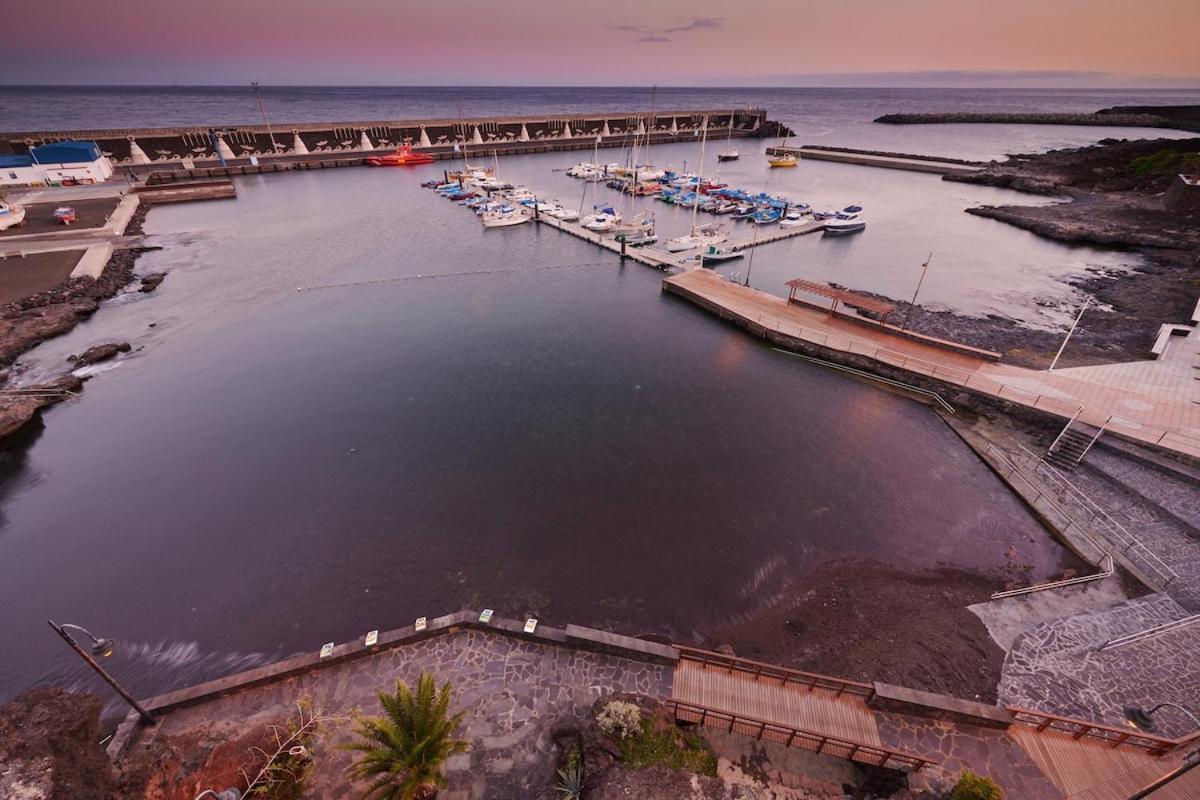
(1143, 720)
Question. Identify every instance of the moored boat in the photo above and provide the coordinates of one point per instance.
(716, 255)
(601, 220)
(703, 236)
(11, 215)
(787, 160)
(848, 220)
(508, 215)
(403, 156)
(732, 155)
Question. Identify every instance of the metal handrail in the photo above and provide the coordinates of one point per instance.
(849, 749)
(785, 675)
(1126, 540)
(872, 376)
(1106, 571)
(1166, 627)
(1066, 427)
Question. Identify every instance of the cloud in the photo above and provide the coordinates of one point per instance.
(652, 34)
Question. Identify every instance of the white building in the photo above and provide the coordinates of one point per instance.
(56, 164)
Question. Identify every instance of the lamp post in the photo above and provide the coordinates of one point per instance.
(1086, 302)
(1143, 720)
(263, 110)
(917, 291)
(100, 648)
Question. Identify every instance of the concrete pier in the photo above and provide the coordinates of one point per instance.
(166, 145)
(911, 163)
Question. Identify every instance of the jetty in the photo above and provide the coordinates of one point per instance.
(1149, 402)
(242, 143)
(912, 163)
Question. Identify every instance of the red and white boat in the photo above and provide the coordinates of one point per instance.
(64, 214)
(403, 156)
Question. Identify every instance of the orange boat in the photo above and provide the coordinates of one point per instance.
(403, 156)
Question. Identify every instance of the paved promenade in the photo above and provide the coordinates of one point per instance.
(1157, 402)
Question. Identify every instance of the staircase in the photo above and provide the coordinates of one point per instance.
(1072, 444)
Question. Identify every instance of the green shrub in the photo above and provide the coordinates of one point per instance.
(1157, 162)
(669, 746)
(976, 787)
(619, 719)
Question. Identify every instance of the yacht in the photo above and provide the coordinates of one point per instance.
(601, 220)
(848, 220)
(502, 218)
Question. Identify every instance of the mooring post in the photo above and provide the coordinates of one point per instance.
(445, 176)
(622, 247)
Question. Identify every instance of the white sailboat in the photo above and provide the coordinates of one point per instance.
(506, 216)
(704, 235)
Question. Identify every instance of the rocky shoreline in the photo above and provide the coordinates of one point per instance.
(1107, 204)
(27, 322)
(1103, 118)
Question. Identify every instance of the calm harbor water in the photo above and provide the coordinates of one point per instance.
(278, 465)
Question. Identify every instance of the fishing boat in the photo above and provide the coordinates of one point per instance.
(64, 214)
(11, 215)
(766, 216)
(717, 255)
(403, 156)
(848, 220)
(703, 236)
(502, 218)
(786, 160)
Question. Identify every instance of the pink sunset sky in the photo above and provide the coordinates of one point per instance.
(608, 42)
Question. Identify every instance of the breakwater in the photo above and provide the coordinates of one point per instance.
(133, 147)
(1036, 118)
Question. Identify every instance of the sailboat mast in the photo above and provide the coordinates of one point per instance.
(699, 172)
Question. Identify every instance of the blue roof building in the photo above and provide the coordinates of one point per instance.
(56, 163)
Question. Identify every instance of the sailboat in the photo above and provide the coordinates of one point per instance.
(729, 155)
(785, 159)
(706, 234)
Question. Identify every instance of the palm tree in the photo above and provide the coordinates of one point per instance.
(403, 751)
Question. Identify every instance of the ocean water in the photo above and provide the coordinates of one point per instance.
(356, 406)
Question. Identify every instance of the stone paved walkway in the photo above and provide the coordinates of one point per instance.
(513, 692)
(1056, 667)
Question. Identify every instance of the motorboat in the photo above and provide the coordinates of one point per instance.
(502, 218)
(403, 156)
(494, 184)
(744, 211)
(848, 220)
(725, 207)
(732, 155)
(716, 255)
(565, 214)
(601, 220)
(11, 215)
(702, 236)
(787, 160)
(64, 214)
(795, 219)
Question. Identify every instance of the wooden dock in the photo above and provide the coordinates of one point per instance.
(659, 258)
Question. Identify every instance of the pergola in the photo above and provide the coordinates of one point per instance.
(844, 296)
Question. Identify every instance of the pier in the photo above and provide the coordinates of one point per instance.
(1148, 402)
(226, 144)
(912, 163)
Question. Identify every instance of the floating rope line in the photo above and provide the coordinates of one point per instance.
(402, 278)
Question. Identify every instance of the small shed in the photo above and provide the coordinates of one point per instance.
(56, 164)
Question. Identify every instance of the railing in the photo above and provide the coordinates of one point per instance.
(937, 398)
(1066, 428)
(1081, 729)
(874, 755)
(785, 676)
(1157, 630)
(1114, 532)
(1106, 570)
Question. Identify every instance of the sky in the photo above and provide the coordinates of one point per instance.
(1019, 43)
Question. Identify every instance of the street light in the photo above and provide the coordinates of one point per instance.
(1143, 720)
(263, 109)
(913, 303)
(101, 648)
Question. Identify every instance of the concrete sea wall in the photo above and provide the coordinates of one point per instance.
(128, 147)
